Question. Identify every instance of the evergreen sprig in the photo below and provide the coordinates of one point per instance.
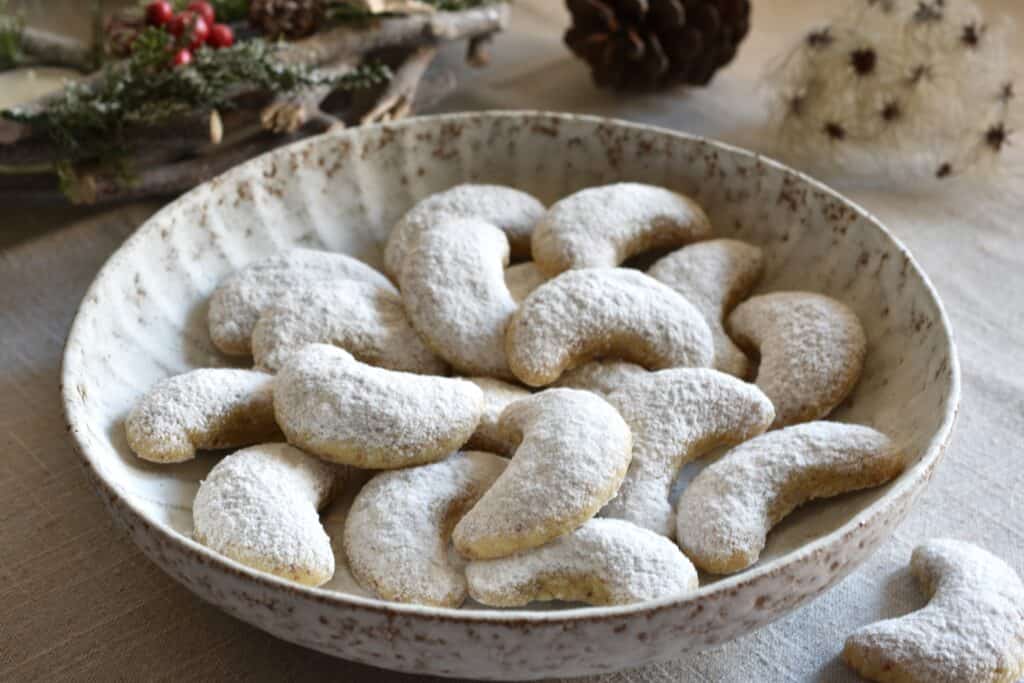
(144, 90)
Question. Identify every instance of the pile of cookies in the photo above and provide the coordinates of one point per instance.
(527, 423)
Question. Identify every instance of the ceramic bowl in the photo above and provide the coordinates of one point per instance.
(144, 319)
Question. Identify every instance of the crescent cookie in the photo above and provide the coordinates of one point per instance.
(497, 396)
(333, 406)
(238, 300)
(714, 276)
(454, 290)
(512, 211)
(208, 408)
(602, 377)
(398, 530)
(604, 312)
(812, 351)
(604, 562)
(366, 320)
(677, 416)
(573, 452)
(726, 512)
(600, 227)
(259, 506)
(972, 628)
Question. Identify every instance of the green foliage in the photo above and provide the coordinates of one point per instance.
(144, 90)
(11, 26)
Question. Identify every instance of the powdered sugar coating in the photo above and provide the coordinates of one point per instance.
(600, 227)
(574, 449)
(676, 416)
(333, 406)
(812, 351)
(512, 211)
(453, 286)
(205, 408)
(398, 530)
(604, 312)
(714, 276)
(972, 628)
(497, 396)
(523, 278)
(238, 300)
(599, 376)
(259, 505)
(366, 320)
(724, 515)
(604, 562)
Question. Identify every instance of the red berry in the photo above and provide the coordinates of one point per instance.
(203, 9)
(159, 13)
(221, 35)
(179, 24)
(182, 57)
(200, 33)
(191, 28)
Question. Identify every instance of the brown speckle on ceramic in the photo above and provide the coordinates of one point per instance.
(343, 192)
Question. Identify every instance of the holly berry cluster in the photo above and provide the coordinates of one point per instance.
(193, 28)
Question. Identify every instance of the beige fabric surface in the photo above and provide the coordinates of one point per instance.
(78, 601)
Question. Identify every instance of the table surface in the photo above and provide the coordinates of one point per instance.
(79, 601)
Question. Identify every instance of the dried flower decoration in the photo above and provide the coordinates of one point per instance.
(900, 89)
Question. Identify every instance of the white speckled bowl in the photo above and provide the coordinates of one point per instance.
(144, 319)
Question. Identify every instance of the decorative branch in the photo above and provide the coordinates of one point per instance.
(37, 106)
(397, 99)
(97, 187)
(348, 41)
(287, 116)
(168, 179)
(20, 145)
(50, 49)
(289, 113)
(409, 31)
(396, 6)
(87, 122)
(183, 134)
(163, 149)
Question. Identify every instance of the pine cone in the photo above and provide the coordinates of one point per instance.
(287, 18)
(654, 44)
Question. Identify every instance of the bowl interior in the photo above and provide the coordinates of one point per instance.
(144, 317)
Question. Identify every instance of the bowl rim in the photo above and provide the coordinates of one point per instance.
(906, 483)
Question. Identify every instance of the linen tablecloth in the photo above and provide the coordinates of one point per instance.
(78, 601)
